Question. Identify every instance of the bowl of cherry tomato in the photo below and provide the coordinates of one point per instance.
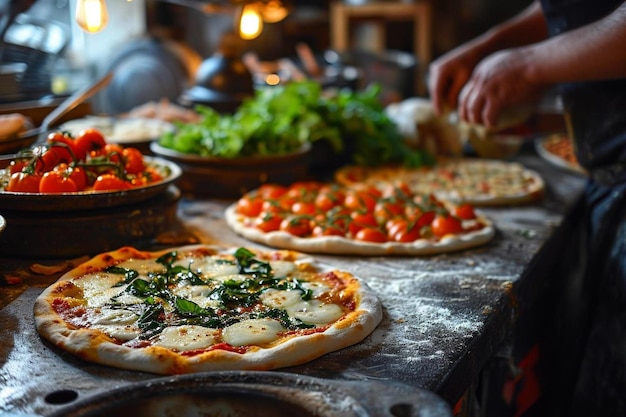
(79, 172)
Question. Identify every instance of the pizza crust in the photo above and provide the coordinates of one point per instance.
(95, 346)
(336, 245)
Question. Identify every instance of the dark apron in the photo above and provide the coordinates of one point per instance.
(570, 338)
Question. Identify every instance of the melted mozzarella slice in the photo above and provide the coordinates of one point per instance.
(115, 316)
(252, 332)
(209, 267)
(186, 337)
(119, 331)
(142, 266)
(280, 298)
(282, 269)
(315, 312)
(317, 288)
(198, 294)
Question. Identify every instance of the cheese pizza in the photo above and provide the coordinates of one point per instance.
(205, 308)
(359, 220)
(481, 182)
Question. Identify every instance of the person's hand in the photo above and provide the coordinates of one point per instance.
(501, 81)
(448, 75)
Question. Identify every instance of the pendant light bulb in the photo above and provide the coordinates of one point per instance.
(250, 22)
(91, 15)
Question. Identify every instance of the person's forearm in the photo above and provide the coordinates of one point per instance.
(592, 52)
(529, 26)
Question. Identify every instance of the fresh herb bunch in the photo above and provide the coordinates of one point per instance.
(282, 119)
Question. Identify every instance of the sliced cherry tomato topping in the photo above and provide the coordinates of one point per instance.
(268, 222)
(249, 206)
(370, 234)
(271, 191)
(465, 212)
(303, 207)
(296, 225)
(446, 224)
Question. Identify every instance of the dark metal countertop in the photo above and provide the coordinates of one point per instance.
(444, 315)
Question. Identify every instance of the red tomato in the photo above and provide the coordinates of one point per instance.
(328, 199)
(327, 230)
(64, 146)
(446, 224)
(112, 151)
(249, 206)
(303, 208)
(271, 191)
(17, 165)
(426, 219)
(47, 160)
(24, 182)
(75, 173)
(54, 182)
(276, 206)
(408, 232)
(360, 220)
(296, 225)
(370, 234)
(360, 200)
(465, 212)
(110, 182)
(89, 140)
(268, 222)
(387, 209)
(133, 160)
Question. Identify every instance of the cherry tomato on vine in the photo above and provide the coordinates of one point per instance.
(110, 182)
(17, 165)
(24, 182)
(76, 174)
(88, 140)
(53, 182)
(63, 145)
(133, 160)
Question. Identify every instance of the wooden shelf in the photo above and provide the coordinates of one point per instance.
(380, 13)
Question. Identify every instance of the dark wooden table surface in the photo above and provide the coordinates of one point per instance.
(444, 315)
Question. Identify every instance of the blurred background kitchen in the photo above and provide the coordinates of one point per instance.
(157, 49)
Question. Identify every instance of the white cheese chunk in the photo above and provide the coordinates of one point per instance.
(280, 298)
(186, 337)
(252, 332)
(315, 312)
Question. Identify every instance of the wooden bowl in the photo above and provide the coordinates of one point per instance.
(230, 178)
